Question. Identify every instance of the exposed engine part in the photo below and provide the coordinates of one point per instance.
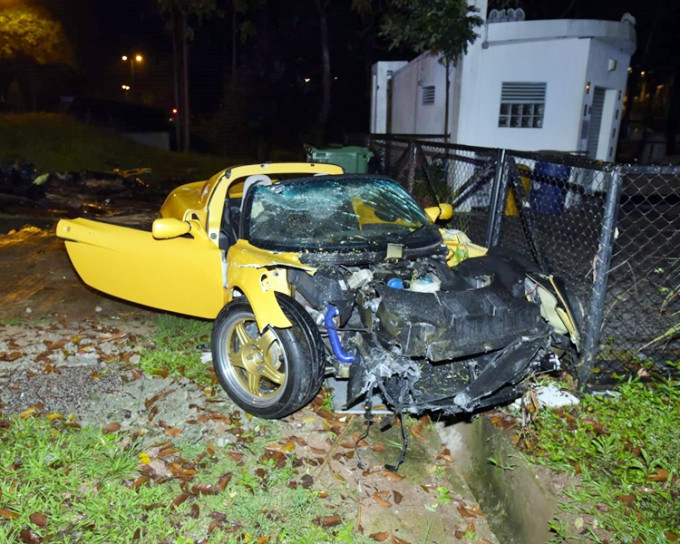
(338, 350)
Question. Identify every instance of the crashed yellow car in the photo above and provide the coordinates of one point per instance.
(309, 273)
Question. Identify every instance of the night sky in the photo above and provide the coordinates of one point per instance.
(272, 69)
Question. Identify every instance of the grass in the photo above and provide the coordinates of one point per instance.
(59, 143)
(61, 483)
(176, 349)
(626, 451)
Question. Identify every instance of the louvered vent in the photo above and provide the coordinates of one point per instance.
(522, 104)
(428, 95)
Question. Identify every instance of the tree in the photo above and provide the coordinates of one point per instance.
(443, 27)
(30, 38)
(180, 12)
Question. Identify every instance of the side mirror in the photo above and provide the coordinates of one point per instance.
(169, 227)
(444, 211)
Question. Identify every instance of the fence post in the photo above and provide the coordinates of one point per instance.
(584, 368)
(411, 175)
(499, 189)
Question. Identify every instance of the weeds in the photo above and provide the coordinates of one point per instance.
(626, 450)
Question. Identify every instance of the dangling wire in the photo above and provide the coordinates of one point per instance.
(404, 445)
(368, 421)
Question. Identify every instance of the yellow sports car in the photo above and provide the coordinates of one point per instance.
(309, 273)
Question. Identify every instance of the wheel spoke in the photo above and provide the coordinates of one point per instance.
(236, 359)
(242, 334)
(272, 374)
(254, 383)
(265, 340)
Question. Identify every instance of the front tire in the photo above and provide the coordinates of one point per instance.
(269, 374)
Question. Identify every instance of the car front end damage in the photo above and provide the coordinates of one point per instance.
(428, 337)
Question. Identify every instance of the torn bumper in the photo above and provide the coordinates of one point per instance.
(464, 385)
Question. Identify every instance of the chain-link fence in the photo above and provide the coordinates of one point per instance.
(611, 232)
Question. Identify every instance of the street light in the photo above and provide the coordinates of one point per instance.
(137, 58)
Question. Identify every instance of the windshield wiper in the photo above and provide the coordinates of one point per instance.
(409, 235)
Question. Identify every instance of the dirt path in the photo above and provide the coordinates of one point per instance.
(65, 348)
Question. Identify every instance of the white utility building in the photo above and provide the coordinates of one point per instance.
(552, 85)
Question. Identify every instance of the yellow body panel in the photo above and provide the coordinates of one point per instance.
(181, 275)
(259, 274)
(459, 246)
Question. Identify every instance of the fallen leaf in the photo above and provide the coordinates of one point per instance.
(379, 500)
(167, 451)
(7, 514)
(29, 537)
(204, 489)
(466, 512)
(397, 497)
(172, 431)
(671, 536)
(28, 412)
(210, 448)
(9, 357)
(328, 521)
(378, 447)
(235, 455)
(445, 455)
(153, 412)
(139, 482)
(57, 344)
(392, 476)
(54, 415)
(660, 475)
(397, 540)
(111, 427)
(626, 499)
(179, 499)
(195, 511)
(322, 412)
(380, 537)
(224, 480)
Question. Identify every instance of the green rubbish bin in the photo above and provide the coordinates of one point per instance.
(352, 158)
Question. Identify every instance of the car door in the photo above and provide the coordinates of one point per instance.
(182, 274)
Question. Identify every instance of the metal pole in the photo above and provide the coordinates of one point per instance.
(499, 189)
(584, 367)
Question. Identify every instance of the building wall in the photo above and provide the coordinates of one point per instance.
(381, 74)
(561, 64)
(409, 114)
(572, 57)
(607, 68)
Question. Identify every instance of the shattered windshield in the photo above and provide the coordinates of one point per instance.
(335, 213)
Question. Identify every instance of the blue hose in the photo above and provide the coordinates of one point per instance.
(333, 335)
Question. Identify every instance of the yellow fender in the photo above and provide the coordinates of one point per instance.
(259, 274)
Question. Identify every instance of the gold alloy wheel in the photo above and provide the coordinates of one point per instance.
(257, 360)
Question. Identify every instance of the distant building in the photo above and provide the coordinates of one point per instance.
(529, 85)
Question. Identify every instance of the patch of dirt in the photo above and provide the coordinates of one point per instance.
(65, 349)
